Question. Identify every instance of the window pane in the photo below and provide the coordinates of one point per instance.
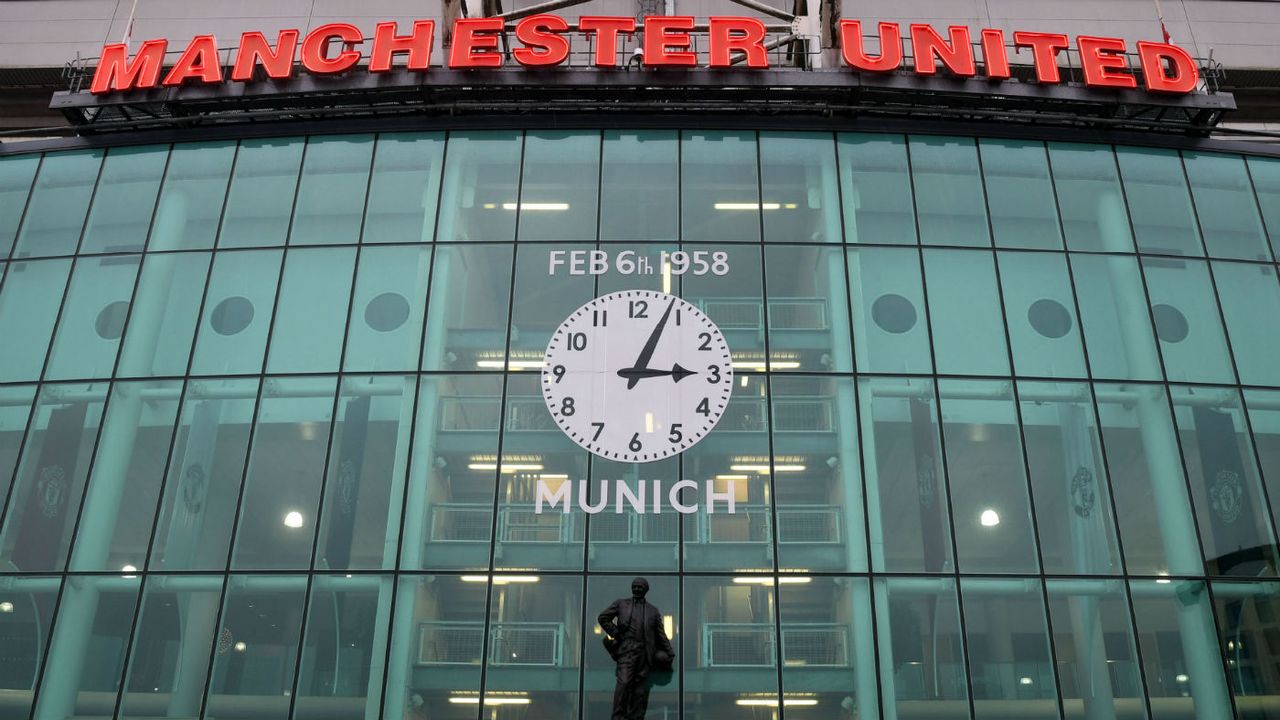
(922, 663)
(25, 629)
(798, 176)
(1250, 299)
(81, 677)
(664, 595)
(535, 627)
(1094, 646)
(1115, 317)
(640, 185)
(364, 489)
(1266, 184)
(1011, 668)
(311, 311)
(1026, 216)
(730, 646)
(262, 622)
(15, 410)
(46, 493)
(1187, 321)
(1152, 507)
(890, 326)
(191, 200)
(1180, 657)
(819, 507)
(481, 184)
(1246, 614)
(126, 197)
(203, 481)
(169, 662)
(719, 187)
(330, 201)
(906, 487)
(1264, 419)
(948, 191)
(545, 301)
(58, 204)
(559, 186)
(1159, 203)
(93, 318)
(29, 303)
(1226, 207)
(1040, 311)
(120, 504)
(964, 312)
(166, 308)
(876, 189)
(277, 524)
(1089, 198)
(808, 309)
(16, 174)
(631, 541)
(405, 188)
(828, 650)
(345, 647)
(988, 482)
(1071, 489)
(260, 201)
(386, 312)
(468, 309)
(437, 644)
(735, 303)
(237, 313)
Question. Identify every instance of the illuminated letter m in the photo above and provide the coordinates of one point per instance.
(116, 72)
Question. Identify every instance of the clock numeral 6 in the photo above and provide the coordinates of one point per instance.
(566, 407)
(577, 341)
(706, 341)
(558, 371)
(638, 309)
(599, 426)
(675, 436)
(713, 374)
(635, 443)
(704, 407)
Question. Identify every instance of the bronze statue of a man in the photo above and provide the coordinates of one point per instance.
(639, 644)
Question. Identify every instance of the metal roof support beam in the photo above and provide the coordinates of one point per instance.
(545, 7)
(767, 10)
(771, 45)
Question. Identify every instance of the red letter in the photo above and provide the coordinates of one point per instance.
(664, 48)
(856, 55)
(115, 72)
(1101, 58)
(472, 34)
(1185, 73)
(995, 56)
(199, 61)
(387, 44)
(1044, 48)
(254, 48)
(606, 30)
(544, 45)
(313, 48)
(927, 45)
(742, 34)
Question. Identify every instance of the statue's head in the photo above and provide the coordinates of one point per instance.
(639, 588)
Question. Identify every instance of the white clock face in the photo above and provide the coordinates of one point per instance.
(637, 376)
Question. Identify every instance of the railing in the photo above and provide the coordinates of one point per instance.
(799, 313)
(450, 643)
(516, 643)
(635, 529)
(751, 525)
(816, 645)
(751, 645)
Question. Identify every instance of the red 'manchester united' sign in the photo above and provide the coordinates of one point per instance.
(542, 41)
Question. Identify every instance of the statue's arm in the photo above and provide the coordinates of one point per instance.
(608, 619)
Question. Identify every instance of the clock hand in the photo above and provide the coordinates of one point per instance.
(636, 374)
(650, 345)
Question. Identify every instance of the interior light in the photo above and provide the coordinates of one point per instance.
(772, 702)
(536, 206)
(1025, 681)
(989, 518)
(1181, 678)
(6, 607)
(744, 381)
(293, 519)
(759, 365)
(501, 579)
(129, 569)
(509, 365)
(241, 646)
(769, 580)
(668, 625)
(765, 469)
(746, 206)
(733, 477)
(506, 467)
(489, 700)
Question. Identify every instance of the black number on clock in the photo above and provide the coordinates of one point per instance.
(577, 341)
(675, 436)
(713, 374)
(704, 407)
(558, 371)
(566, 407)
(638, 309)
(599, 426)
(599, 317)
(706, 341)
(635, 443)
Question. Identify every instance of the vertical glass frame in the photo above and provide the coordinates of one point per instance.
(965, 313)
(58, 204)
(1091, 200)
(951, 204)
(192, 196)
(263, 188)
(800, 191)
(640, 186)
(238, 305)
(29, 302)
(1040, 314)
(719, 187)
(890, 316)
(93, 318)
(559, 186)
(16, 176)
(329, 208)
(481, 187)
(311, 310)
(1026, 214)
(404, 190)
(1160, 208)
(875, 189)
(1226, 207)
(120, 218)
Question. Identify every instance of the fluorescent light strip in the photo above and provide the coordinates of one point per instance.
(768, 580)
(509, 364)
(746, 206)
(770, 702)
(764, 469)
(536, 206)
(501, 579)
(506, 467)
(759, 365)
(490, 700)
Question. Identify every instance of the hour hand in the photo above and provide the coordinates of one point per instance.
(634, 375)
(642, 362)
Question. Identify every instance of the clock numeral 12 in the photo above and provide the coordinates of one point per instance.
(638, 309)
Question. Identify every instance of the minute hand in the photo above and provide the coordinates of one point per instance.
(650, 345)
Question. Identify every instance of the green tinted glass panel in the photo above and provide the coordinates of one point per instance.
(58, 204)
(1250, 299)
(948, 189)
(828, 652)
(800, 190)
(559, 186)
(1159, 203)
(232, 335)
(808, 309)
(481, 187)
(16, 174)
(26, 628)
(260, 201)
(1095, 649)
(640, 185)
(311, 310)
(202, 484)
(330, 204)
(1040, 311)
(890, 321)
(599, 678)
(29, 303)
(1226, 207)
(729, 649)
(1026, 213)
(93, 318)
(439, 628)
(262, 622)
(557, 297)
(921, 647)
(15, 410)
(1094, 217)
(1008, 640)
(341, 669)
(875, 189)
(126, 198)
(191, 199)
(468, 308)
(622, 542)
(1244, 612)
(1179, 647)
(1187, 322)
(1266, 185)
(550, 611)
(276, 528)
(405, 188)
(128, 469)
(734, 302)
(385, 328)
(166, 309)
(719, 187)
(964, 312)
(1264, 422)
(1115, 317)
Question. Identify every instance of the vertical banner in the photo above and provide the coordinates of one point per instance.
(1230, 501)
(933, 520)
(345, 478)
(48, 512)
(182, 546)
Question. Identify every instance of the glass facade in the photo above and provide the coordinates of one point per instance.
(1003, 441)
